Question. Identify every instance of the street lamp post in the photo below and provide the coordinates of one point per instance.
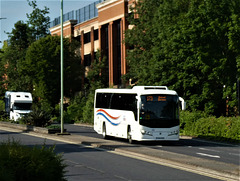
(61, 105)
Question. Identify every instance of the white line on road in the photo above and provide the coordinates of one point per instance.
(206, 149)
(213, 156)
(234, 154)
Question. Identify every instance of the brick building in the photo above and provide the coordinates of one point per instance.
(100, 25)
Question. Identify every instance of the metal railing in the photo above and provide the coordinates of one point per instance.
(83, 14)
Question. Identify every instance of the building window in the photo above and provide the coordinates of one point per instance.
(87, 37)
(77, 38)
(87, 60)
(95, 34)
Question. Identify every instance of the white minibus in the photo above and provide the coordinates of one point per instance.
(143, 113)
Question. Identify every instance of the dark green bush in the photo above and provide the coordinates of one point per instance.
(38, 117)
(74, 111)
(188, 119)
(222, 128)
(23, 163)
(88, 112)
(4, 116)
(2, 105)
(233, 123)
(201, 125)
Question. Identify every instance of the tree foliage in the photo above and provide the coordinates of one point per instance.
(38, 20)
(42, 64)
(31, 60)
(97, 78)
(20, 37)
(81, 107)
(13, 54)
(191, 46)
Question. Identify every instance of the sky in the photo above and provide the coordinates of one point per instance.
(15, 10)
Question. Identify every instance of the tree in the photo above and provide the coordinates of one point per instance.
(140, 39)
(42, 64)
(38, 21)
(81, 106)
(189, 47)
(97, 78)
(12, 56)
(97, 75)
(21, 37)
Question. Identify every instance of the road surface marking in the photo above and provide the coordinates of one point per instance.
(213, 156)
(206, 149)
(235, 154)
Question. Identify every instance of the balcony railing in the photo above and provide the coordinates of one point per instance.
(83, 14)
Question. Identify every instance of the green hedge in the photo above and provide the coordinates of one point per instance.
(200, 125)
(21, 163)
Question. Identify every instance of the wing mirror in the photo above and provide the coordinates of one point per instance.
(183, 103)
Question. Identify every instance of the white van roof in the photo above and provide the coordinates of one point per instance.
(21, 96)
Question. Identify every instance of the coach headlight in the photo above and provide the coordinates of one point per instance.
(173, 133)
(149, 133)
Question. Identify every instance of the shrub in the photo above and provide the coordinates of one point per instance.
(75, 109)
(37, 117)
(188, 119)
(222, 128)
(201, 125)
(4, 116)
(2, 105)
(88, 112)
(20, 163)
(233, 125)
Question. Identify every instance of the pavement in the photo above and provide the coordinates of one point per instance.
(214, 169)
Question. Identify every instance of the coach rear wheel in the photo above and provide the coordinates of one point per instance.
(129, 135)
(104, 132)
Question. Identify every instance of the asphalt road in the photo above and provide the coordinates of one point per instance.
(85, 163)
(227, 153)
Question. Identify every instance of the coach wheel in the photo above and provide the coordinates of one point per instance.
(129, 135)
(104, 132)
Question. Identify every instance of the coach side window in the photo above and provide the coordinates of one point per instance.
(126, 102)
(117, 102)
(131, 103)
(103, 100)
